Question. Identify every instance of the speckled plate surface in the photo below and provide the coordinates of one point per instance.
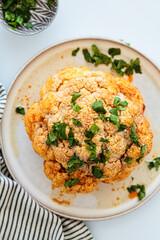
(26, 166)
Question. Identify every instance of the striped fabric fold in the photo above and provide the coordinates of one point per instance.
(22, 218)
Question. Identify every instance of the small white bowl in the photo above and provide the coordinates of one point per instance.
(41, 17)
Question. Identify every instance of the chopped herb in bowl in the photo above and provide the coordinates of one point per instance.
(21, 15)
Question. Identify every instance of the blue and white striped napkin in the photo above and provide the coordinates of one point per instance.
(22, 218)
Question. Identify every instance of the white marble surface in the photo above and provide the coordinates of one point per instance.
(136, 22)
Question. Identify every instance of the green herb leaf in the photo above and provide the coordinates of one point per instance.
(92, 150)
(20, 110)
(123, 103)
(154, 164)
(74, 163)
(113, 119)
(121, 127)
(116, 101)
(76, 122)
(71, 182)
(143, 148)
(108, 153)
(29, 25)
(52, 139)
(102, 158)
(92, 131)
(19, 20)
(16, 13)
(118, 65)
(140, 189)
(98, 57)
(128, 160)
(138, 160)
(51, 3)
(72, 141)
(133, 136)
(104, 140)
(114, 51)
(74, 52)
(75, 96)
(129, 70)
(120, 108)
(97, 172)
(60, 130)
(114, 111)
(87, 55)
(76, 108)
(97, 107)
(136, 66)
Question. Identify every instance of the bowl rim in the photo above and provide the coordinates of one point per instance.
(6, 26)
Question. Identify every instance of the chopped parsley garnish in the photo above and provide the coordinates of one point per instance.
(74, 52)
(75, 96)
(102, 158)
(118, 65)
(154, 164)
(71, 182)
(76, 122)
(74, 163)
(91, 147)
(104, 140)
(97, 107)
(143, 149)
(117, 101)
(114, 113)
(92, 131)
(17, 12)
(72, 141)
(136, 65)
(51, 3)
(122, 67)
(133, 136)
(97, 57)
(128, 44)
(52, 139)
(102, 117)
(87, 55)
(76, 108)
(58, 131)
(108, 153)
(114, 51)
(114, 120)
(128, 160)
(140, 189)
(97, 173)
(121, 127)
(29, 25)
(20, 110)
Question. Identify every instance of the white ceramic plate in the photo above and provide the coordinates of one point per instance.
(27, 167)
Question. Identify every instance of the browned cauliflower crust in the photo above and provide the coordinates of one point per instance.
(55, 106)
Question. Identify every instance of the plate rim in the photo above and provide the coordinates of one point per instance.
(2, 145)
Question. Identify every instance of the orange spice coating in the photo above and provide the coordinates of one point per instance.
(55, 105)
